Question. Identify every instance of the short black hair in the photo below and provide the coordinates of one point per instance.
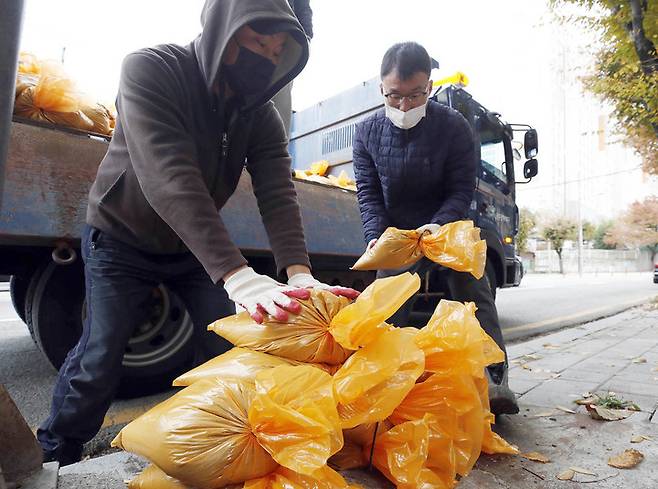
(407, 59)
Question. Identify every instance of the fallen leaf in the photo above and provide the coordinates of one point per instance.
(580, 470)
(627, 460)
(585, 401)
(549, 346)
(515, 362)
(566, 410)
(526, 366)
(532, 356)
(567, 475)
(638, 439)
(536, 457)
(605, 414)
(640, 360)
(555, 376)
(544, 415)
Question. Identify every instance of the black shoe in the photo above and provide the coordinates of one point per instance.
(65, 455)
(501, 398)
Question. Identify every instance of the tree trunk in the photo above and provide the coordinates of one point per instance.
(559, 259)
(644, 48)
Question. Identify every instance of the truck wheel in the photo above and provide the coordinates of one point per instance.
(159, 349)
(490, 273)
(17, 292)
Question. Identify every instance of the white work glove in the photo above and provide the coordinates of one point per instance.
(371, 243)
(261, 295)
(429, 228)
(306, 281)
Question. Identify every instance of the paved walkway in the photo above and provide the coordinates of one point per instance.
(617, 354)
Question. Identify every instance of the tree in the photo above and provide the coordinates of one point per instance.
(557, 232)
(589, 231)
(638, 227)
(601, 234)
(527, 224)
(625, 73)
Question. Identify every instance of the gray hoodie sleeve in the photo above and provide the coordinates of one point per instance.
(164, 159)
(269, 164)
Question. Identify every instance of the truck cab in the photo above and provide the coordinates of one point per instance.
(325, 131)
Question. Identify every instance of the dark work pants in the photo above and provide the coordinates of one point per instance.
(463, 288)
(119, 280)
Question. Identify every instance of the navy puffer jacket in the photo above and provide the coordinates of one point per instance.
(407, 178)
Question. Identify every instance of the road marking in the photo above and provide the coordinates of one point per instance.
(581, 314)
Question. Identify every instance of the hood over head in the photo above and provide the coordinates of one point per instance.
(221, 19)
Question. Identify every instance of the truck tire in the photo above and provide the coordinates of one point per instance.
(490, 273)
(159, 350)
(17, 292)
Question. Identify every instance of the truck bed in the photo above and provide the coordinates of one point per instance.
(49, 171)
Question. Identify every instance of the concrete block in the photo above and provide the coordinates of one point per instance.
(556, 393)
(520, 387)
(46, 478)
(577, 374)
(20, 454)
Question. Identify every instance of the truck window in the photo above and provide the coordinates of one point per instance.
(492, 161)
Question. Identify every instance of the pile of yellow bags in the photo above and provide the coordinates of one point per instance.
(456, 245)
(44, 93)
(335, 387)
(318, 173)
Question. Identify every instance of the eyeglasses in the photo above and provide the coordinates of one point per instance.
(396, 99)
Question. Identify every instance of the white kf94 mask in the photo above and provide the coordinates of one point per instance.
(408, 119)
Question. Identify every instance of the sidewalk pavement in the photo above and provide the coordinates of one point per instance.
(619, 354)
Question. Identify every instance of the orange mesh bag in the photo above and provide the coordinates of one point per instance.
(373, 381)
(456, 245)
(304, 337)
(28, 64)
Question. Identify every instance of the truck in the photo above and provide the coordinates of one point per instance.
(49, 169)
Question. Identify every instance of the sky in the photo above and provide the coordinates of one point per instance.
(520, 63)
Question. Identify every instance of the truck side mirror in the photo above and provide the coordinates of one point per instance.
(530, 168)
(530, 143)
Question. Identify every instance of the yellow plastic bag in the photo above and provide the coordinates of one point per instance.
(28, 64)
(492, 442)
(457, 245)
(404, 456)
(237, 363)
(453, 340)
(201, 435)
(362, 322)
(101, 118)
(283, 478)
(294, 417)
(319, 168)
(304, 337)
(53, 99)
(152, 477)
(373, 381)
(453, 399)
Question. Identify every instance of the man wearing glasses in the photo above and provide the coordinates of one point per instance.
(414, 163)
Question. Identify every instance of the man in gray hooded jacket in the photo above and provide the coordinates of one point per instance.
(190, 119)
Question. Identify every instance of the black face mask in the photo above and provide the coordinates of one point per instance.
(251, 73)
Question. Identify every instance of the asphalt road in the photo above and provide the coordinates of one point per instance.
(542, 304)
